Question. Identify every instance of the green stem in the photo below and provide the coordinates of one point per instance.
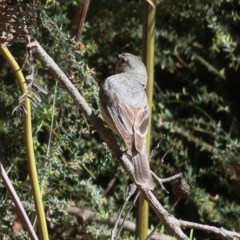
(29, 144)
(148, 58)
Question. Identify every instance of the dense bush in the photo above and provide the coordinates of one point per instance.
(195, 113)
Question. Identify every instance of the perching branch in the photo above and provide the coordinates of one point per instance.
(172, 224)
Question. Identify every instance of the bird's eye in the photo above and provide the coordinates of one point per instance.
(123, 60)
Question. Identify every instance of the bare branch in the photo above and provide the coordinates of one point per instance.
(131, 191)
(172, 224)
(111, 184)
(19, 206)
(82, 214)
(219, 231)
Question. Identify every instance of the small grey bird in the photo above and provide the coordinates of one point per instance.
(124, 106)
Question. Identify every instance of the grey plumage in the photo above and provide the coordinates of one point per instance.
(124, 107)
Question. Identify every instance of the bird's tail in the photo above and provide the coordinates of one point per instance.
(142, 170)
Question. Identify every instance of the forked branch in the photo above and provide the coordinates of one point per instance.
(172, 224)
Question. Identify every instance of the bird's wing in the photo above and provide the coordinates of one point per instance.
(130, 122)
(140, 128)
(123, 117)
(126, 110)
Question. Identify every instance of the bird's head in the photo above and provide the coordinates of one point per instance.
(128, 62)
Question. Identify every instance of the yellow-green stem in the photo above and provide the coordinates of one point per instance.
(148, 58)
(29, 144)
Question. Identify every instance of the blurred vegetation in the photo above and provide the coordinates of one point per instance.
(196, 114)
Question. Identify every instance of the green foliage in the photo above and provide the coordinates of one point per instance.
(196, 115)
(196, 105)
(68, 151)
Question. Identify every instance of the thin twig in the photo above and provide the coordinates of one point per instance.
(172, 178)
(131, 191)
(111, 184)
(218, 231)
(150, 235)
(19, 206)
(129, 210)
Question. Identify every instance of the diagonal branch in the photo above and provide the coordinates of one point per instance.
(19, 205)
(170, 222)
